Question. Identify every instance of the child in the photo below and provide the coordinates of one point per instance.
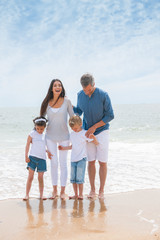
(37, 155)
(78, 155)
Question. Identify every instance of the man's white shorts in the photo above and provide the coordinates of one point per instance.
(99, 152)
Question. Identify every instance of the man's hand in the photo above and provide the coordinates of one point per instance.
(90, 131)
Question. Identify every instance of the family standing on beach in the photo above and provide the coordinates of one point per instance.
(88, 140)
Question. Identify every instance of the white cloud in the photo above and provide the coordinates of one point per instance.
(65, 40)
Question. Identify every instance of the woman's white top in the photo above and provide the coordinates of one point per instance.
(55, 110)
(79, 145)
(38, 145)
(57, 127)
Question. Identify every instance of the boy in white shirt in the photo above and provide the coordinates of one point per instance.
(78, 155)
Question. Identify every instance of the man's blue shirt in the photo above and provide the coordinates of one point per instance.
(94, 109)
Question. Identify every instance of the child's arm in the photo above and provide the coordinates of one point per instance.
(29, 141)
(64, 148)
(49, 154)
(92, 136)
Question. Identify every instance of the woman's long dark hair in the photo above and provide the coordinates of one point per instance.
(50, 96)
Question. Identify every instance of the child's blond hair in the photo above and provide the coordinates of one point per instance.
(75, 120)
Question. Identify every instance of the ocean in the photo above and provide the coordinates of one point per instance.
(134, 151)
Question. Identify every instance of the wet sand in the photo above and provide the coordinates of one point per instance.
(125, 216)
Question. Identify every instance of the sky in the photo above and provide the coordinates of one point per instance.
(118, 42)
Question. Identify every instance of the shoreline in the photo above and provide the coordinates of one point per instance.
(85, 195)
(120, 216)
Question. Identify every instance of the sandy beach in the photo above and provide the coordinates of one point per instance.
(133, 215)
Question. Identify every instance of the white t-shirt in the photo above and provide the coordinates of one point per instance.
(79, 142)
(38, 146)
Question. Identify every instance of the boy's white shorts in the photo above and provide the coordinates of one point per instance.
(99, 152)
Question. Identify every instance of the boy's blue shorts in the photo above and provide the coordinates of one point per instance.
(38, 163)
(78, 171)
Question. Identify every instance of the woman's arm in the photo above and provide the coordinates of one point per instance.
(70, 108)
(29, 141)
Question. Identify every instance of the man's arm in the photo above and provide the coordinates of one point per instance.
(108, 116)
(108, 110)
(77, 110)
(92, 129)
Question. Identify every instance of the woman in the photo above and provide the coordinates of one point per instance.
(57, 107)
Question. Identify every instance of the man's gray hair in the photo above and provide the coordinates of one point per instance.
(87, 79)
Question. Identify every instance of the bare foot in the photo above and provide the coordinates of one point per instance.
(54, 195)
(26, 198)
(73, 197)
(63, 196)
(43, 198)
(101, 195)
(80, 197)
(91, 195)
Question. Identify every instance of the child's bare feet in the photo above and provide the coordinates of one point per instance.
(26, 198)
(73, 197)
(80, 197)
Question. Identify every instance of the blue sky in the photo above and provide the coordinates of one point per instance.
(117, 41)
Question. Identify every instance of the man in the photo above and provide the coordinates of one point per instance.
(95, 105)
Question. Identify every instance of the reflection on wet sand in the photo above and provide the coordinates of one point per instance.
(66, 216)
(37, 219)
(120, 216)
(78, 210)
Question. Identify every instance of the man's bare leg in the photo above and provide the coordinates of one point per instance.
(92, 174)
(102, 176)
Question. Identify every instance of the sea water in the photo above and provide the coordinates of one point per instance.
(134, 151)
